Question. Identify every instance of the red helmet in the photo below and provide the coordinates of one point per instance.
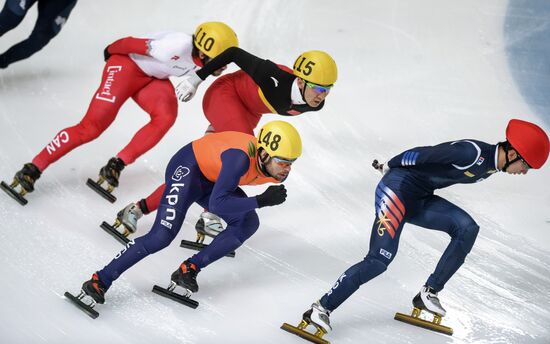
(529, 140)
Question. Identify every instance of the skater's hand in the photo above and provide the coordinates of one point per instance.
(273, 195)
(382, 168)
(187, 88)
(106, 54)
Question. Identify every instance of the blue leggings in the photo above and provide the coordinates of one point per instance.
(185, 184)
(395, 205)
(52, 15)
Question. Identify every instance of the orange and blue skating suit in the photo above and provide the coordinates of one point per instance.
(207, 171)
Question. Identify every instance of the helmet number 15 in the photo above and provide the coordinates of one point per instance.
(307, 69)
(274, 143)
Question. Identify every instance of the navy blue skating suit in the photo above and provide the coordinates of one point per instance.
(406, 194)
(52, 14)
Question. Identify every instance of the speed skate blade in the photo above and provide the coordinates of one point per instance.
(304, 334)
(184, 300)
(198, 246)
(81, 305)
(423, 323)
(101, 191)
(12, 193)
(116, 234)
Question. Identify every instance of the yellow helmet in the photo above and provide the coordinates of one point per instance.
(316, 67)
(212, 38)
(280, 139)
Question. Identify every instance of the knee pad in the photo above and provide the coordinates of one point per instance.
(248, 226)
(468, 237)
(371, 267)
(42, 37)
(156, 240)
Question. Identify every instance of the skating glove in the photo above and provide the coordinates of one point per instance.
(106, 54)
(382, 168)
(187, 87)
(273, 195)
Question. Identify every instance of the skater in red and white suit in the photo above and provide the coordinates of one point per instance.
(136, 68)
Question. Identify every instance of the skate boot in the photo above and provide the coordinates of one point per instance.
(109, 173)
(26, 178)
(427, 300)
(129, 217)
(95, 289)
(209, 224)
(317, 316)
(92, 293)
(186, 277)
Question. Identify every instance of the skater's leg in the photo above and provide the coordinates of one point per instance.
(52, 15)
(179, 195)
(439, 214)
(13, 13)
(158, 99)
(121, 78)
(239, 229)
(384, 241)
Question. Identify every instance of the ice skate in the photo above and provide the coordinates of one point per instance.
(110, 174)
(426, 300)
(209, 225)
(186, 277)
(92, 293)
(128, 218)
(318, 317)
(25, 178)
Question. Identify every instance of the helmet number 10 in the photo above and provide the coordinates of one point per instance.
(207, 44)
(274, 143)
(307, 69)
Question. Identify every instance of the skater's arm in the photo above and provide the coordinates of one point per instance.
(235, 164)
(129, 45)
(249, 63)
(460, 154)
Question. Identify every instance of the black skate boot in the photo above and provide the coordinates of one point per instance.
(92, 293)
(318, 317)
(26, 177)
(186, 277)
(109, 173)
(95, 289)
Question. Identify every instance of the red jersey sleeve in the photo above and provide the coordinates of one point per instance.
(129, 45)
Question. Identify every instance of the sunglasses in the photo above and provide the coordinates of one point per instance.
(318, 88)
(283, 161)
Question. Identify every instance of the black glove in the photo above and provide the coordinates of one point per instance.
(377, 165)
(106, 53)
(273, 195)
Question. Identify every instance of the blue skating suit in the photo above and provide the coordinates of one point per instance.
(406, 194)
(52, 15)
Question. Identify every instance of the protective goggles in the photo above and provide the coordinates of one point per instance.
(318, 88)
(282, 160)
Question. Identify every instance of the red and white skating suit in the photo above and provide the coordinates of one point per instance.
(138, 68)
